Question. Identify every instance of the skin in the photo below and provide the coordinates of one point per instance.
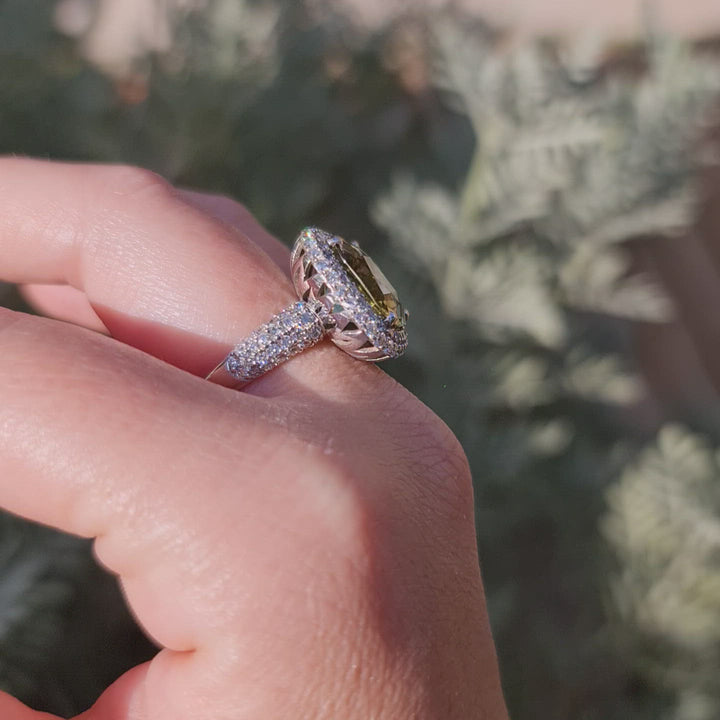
(304, 548)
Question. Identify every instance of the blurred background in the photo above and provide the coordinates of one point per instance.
(541, 184)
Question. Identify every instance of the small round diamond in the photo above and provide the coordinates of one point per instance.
(343, 294)
(369, 318)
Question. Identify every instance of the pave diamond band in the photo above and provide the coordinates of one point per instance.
(343, 295)
(291, 331)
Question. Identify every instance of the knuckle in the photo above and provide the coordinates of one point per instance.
(136, 182)
(20, 337)
(8, 319)
(320, 493)
(339, 507)
(433, 452)
(232, 206)
(332, 503)
(452, 461)
(450, 450)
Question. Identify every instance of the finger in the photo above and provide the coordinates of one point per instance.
(160, 274)
(239, 217)
(12, 709)
(63, 302)
(123, 700)
(102, 441)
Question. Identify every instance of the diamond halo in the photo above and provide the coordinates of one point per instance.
(342, 294)
(320, 274)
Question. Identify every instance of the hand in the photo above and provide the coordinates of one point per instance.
(302, 549)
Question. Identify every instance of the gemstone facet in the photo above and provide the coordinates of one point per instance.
(362, 313)
(371, 282)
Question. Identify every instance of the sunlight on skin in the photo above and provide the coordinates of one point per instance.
(64, 302)
(278, 561)
(11, 709)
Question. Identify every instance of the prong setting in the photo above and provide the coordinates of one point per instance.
(318, 274)
(342, 294)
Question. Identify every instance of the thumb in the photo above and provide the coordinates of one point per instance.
(12, 709)
(121, 701)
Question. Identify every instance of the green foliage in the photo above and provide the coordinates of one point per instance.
(64, 631)
(664, 523)
(531, 257)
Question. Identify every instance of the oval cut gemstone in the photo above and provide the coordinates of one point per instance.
(368, 278)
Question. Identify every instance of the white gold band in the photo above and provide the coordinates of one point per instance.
(294, 329)
(342, 294)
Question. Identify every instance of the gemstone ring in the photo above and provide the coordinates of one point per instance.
(342, 294)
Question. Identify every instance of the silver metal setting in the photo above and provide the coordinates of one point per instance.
(330, 304)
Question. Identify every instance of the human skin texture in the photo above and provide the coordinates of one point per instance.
(302, 549)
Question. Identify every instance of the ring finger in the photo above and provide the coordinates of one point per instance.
(64, 302)
(160, 272)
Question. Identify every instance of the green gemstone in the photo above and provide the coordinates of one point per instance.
(369, 279)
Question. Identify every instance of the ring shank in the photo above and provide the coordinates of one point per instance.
(343, 294)
(285, 335)
(221, 376)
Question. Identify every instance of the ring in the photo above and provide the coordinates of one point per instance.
(342, 295)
